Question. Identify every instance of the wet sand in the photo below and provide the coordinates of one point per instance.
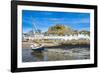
(54, 54)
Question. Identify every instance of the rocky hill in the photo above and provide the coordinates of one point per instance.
(62, 30)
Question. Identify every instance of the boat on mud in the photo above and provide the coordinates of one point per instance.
(37, 47)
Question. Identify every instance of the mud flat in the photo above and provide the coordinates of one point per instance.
(55, 54)
(27, 44)
(69, 54)
(53, 51)
(69, 44)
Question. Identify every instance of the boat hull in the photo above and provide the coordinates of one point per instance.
(38, 49)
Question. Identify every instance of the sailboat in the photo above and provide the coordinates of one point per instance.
(36, 46)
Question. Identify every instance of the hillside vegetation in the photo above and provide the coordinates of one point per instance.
(62, 30)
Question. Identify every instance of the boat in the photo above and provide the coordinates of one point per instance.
(37, 47)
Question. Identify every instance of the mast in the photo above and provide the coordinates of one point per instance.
(35, 27)
(35, 30)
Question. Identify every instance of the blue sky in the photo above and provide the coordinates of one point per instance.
(44, 19)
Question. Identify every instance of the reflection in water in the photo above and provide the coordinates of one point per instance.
(54, 54)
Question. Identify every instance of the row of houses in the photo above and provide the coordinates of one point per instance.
(52, 37)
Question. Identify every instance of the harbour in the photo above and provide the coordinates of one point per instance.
(56, 54)
(55, 41)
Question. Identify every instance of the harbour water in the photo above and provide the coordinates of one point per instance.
(56, 54)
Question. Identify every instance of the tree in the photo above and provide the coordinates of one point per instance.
(60, 29)
(85, 32)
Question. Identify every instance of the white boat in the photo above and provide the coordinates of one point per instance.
(37, 47)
